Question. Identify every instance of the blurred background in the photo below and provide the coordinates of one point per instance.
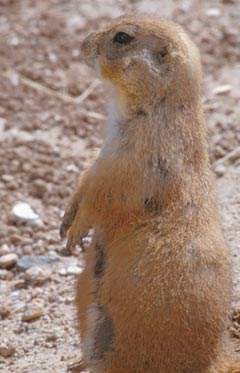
(52, 111)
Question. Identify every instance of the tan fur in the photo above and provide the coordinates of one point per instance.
(156, 292)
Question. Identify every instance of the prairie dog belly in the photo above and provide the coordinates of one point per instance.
(148, 299)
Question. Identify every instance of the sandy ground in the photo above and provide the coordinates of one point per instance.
(51, 116)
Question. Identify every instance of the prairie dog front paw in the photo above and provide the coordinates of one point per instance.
(78, 230)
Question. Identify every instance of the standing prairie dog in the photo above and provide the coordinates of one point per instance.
(155, 295)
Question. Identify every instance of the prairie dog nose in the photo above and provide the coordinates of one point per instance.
(89, 46)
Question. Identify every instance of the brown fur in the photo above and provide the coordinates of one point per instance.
(156, 292)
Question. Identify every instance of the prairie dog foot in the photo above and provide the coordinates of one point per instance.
(78, 366)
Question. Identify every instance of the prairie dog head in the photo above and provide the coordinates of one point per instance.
(146, 59)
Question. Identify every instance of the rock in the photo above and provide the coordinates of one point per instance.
(74, 270)
(213, 12)
(8, 260)
(18, 306)
(52, 57)
(72, 168)
(3, 123)
(15, 239)
(62, 271)
(71, 270)
(14, 296)
(14, 79)
(14, 41)
(37, 275)
(4, 311)
(28, 261)
(6, 177)
(20, 284)
(5, 275)
(4, 249)
(33, 311)
(6, 349)
(38, 188)
(221, 89)
(52, 253)
(220, 170)
(51, 337)
(76, 22)
(23, 212)
(76, 53)
(69, 300)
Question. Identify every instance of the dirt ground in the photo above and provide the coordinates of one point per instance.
(52, 110)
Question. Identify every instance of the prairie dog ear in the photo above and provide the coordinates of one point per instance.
(164, 52)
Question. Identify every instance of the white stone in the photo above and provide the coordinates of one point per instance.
(14, 79)
(221, 89)
(76, 52)
(74, 270)
(14, 41)
(23, 211)
(52, 57)
(220, 170)
(76, 22)
(62, 271)
(213, 12)
(72, 168)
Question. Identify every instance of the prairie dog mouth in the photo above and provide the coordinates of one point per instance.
(93, 63)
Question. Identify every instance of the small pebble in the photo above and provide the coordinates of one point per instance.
(8, 260)
(14, 41)
(38, 188)
(22, 211)
(221, 89)
(75, 52)
(3, 123)
(52, 338)
(14, 79)
(72, 168)
(69, 300)
(76, 22)
(16, 239)
(5, 274)
(74, 270)
(37, 275)
(213, 12)
(62, 271)
(6, 349)
(220, 170)
(20, 284)
(52, 57)
(33, 312)
(18, 306)
(4, 249)
(3, 288)
(4, 311)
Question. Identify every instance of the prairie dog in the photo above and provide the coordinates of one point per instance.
(156, 292)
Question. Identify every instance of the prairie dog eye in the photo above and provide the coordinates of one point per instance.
(122, 38)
